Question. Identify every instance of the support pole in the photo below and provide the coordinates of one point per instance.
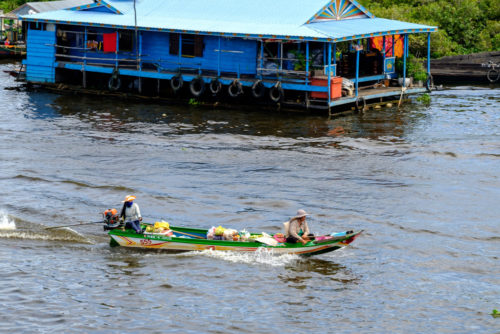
(383, 51)
(84, 77)
(117, 47)
(404, 58)
(357, 68)
(139, 63)
(429, 53)
(324, 54)
(307, 62)
(335, 53)
(218, 58)
(261, 57)
(281, 58)
(329, 82)
(180, 51)
(392, 47)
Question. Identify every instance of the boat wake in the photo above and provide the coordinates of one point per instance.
(12, 228)
(261, 256)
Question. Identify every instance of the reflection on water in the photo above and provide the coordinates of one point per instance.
(305, 269)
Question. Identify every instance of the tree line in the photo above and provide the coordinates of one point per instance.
(465, 26)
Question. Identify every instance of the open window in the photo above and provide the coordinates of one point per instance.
(192, 45)
(126, 40)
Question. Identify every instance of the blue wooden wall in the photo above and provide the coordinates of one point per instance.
(40, 56)
(237, 55)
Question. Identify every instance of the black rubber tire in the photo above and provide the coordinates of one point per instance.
(197, 86)
(215, 86)
(493, 75)
(360, 101)
(429, 83)
(114, 83)
(176, 82)
(276, 93)
(235, 88)
(258, 89)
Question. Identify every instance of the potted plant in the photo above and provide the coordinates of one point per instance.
(415, 71)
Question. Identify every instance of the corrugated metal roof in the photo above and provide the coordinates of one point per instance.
(56, 5)
(281, 18)
(347, 28)
(40, 7)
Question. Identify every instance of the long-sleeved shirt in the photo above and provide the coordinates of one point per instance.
(132, 213)
(294, 229)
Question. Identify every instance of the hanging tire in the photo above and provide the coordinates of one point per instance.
(258, 89)
(493, 75)
(429, 83)
(360, 103)
(235, 88)
(176, 82)
(276, 93)
(215, 86)
(197, 86)
(114, 84)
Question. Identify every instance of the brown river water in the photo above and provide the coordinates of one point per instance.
(422, 182)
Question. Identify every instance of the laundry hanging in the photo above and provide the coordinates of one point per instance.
(377, 43)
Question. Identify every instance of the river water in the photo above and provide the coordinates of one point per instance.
(423, 183)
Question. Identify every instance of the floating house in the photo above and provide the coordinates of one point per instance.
(312, 54)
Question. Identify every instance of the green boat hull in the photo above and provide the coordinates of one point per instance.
(190, 239)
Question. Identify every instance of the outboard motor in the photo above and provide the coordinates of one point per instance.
(111, 219)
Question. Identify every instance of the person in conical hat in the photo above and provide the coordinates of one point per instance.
(298, 230)
(131, 214)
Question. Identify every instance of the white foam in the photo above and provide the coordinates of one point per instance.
(5, 222)
(261, 256)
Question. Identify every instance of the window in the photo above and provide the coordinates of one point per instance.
(126, 40)
(192, 45)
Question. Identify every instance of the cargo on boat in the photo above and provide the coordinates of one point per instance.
(314, 54)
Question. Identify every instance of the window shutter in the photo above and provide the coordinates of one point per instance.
(174, 44)
(198, 46)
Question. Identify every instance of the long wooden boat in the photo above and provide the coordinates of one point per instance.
(191, 239)
(12, 51)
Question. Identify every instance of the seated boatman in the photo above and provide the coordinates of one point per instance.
(131, 214)
(298, 230)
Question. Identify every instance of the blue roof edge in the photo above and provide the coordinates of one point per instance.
(99, 3)
(253, 36)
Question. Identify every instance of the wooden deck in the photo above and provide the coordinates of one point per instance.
(368, 96)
